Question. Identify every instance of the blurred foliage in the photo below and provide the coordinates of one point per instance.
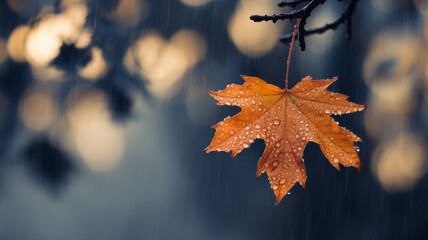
(114, 90)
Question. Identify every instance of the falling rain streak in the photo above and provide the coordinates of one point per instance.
(104, 116)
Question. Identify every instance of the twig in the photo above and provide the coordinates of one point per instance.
(304, 13)
(346, 16)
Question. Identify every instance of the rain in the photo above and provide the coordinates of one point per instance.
(105, 113)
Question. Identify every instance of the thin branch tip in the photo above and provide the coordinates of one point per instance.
(304, 13)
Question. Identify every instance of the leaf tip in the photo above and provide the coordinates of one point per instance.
(245, 77)
(212, 93)
(337, 166)
(207, 149)
(278, 200)
(234, 153)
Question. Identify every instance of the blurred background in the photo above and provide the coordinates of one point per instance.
(104, 117)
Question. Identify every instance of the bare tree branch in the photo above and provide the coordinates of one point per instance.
(346, 16)
(304, 13)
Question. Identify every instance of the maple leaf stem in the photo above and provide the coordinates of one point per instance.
(289, 54)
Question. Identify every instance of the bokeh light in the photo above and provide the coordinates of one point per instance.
(163, 63)
(96, 68)
(16, 43)
(98, 140)
(38, 110)
(391, 71)
(400, 162)
(128, 13)
(396, 49)
(251, 38)
(45, 39)
(388, 70)
(195, 3)
(46, 74)
(84, 39)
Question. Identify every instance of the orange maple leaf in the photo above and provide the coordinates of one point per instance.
(287, 120)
